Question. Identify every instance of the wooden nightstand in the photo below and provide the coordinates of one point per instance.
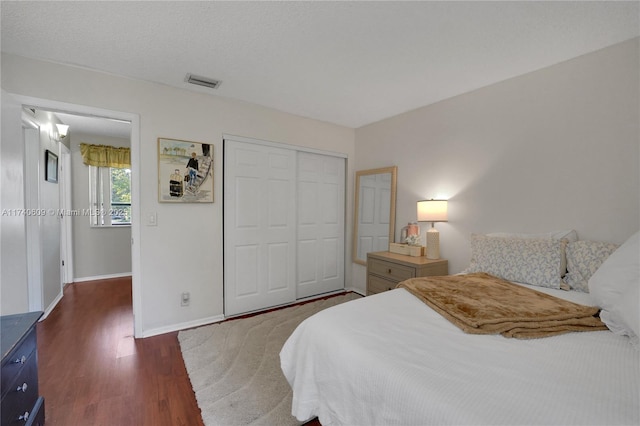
(385, 269)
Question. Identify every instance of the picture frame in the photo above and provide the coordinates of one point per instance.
(50, 167)
(185, 171)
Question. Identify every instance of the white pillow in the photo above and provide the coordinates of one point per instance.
(615, 288)
(524, 260)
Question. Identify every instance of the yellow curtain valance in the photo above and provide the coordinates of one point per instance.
(105, 156)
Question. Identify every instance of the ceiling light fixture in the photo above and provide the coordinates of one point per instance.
(202, 81)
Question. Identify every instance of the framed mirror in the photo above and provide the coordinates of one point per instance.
(374, 215)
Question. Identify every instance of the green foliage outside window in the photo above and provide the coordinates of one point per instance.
(120, 196)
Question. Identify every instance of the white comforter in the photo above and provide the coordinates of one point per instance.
(389, 359)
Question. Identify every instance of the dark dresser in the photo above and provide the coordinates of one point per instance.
(21, 402)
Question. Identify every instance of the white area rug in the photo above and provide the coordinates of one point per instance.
(234, 366)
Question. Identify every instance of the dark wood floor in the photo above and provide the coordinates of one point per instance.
(93, 372)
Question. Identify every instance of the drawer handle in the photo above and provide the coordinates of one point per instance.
(24, 417)
(20, 360)
(22, 388)
(389, 271)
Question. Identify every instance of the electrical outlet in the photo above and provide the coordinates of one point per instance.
(185, 299)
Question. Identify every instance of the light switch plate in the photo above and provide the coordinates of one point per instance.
(152, 219)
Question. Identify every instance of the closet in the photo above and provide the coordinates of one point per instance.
(284, 224)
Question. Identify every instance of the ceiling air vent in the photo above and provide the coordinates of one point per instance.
(203, 81)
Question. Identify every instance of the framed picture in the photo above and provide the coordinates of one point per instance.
(50, 167)
(185, 171)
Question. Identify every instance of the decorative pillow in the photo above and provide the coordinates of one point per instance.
(567, 234)
(524, 260)
(615, 288)
(583, 259)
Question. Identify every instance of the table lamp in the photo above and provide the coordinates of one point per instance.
(432, 211)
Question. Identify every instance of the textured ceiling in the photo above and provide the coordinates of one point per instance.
(349, 63)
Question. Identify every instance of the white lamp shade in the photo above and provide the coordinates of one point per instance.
(432, 211)
(63, 129)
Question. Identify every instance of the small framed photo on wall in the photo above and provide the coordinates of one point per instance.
(50, 167)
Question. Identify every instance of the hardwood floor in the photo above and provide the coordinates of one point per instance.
(93, 372)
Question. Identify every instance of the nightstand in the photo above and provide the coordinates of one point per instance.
(385, 269)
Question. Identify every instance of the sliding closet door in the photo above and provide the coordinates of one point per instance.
(259, 226)
(320, 224)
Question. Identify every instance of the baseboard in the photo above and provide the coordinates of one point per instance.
(220, 318)
(356, 290)
(51, 306)
(318, 296)
(182, 326)
(102, 277)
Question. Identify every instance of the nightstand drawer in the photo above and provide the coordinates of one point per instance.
(378, 285)
(385, 270)
(390, 270)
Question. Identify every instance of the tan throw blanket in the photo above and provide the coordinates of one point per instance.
(480, 303)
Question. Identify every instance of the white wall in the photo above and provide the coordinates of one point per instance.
(13, 262)
(14, 288)
(554, 149)
(97, 252)
(166, 268)
(49, 224)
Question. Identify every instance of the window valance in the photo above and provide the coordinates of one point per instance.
(105, 156)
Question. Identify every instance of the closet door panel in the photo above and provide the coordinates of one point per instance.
(259, 227)
(320, 224)
(278, 265)
(246, 271)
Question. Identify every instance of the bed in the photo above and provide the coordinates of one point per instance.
(389, 359)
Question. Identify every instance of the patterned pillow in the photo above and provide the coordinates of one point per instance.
(570, 235)
(524, 260)
(583, 259)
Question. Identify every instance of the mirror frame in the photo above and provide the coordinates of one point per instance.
(356, 207)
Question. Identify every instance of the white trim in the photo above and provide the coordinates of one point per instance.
(183, 326)
(317, 296)
(52, 305)
(31, 156)
(289, 304)
(220, 318)
(66, 248)
(355, 290)
(136, 285)
(102, 277)
(226, 136)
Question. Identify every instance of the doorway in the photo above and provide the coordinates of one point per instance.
(134, 120)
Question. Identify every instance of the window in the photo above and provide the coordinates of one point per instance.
(110, 196)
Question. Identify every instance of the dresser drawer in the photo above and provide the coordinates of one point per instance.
(377, 284)
(390, 270)
(22, 394)
(36, 416)
(385, 269)
(16, 360)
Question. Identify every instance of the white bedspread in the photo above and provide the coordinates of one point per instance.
(389, 359)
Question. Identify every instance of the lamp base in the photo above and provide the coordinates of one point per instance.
(433, 244)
